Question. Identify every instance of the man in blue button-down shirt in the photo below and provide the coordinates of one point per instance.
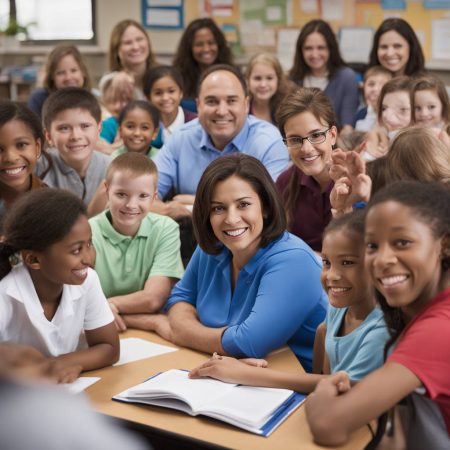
(223, 127)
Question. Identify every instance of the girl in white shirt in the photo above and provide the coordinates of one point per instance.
(50, 298)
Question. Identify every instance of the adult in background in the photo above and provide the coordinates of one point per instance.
(223, 127)
(396, 47)
(64, 67)
(130, 51)
(201, 45)
(250, 287)
(318, 63)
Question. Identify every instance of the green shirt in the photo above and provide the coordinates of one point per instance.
(152, 151)
(125, 263)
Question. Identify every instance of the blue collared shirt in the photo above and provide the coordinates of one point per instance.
(278, 298)
(189, 150)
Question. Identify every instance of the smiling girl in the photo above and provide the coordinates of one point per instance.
(21, 140)
(430, 103)
(163, 87)
(355, 332)
(52, 299)
(267, 85)
(407, 235)
(308, 125)
(393, 113)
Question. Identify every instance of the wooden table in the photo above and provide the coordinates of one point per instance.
(179, 430)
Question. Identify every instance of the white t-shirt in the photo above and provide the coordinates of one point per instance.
(311, 81)
(22, 319)
(179, 120)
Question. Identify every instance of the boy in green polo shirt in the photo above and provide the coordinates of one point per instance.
(138, 252)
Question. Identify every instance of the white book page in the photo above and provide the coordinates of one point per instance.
(133, 349)
(80, 384)
(177, 384)
(249, 405)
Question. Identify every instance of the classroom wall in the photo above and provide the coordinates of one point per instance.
(109, 12)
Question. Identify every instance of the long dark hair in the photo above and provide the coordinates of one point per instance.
(19, 111)
(184, 60)
(36, 221)
(430, 202)
(416, 61)
(300, 69)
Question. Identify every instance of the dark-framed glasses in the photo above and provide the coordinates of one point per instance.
(314, 138)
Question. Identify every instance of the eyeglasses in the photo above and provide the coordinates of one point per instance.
(314, 138)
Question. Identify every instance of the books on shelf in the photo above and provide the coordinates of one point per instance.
(255, 409)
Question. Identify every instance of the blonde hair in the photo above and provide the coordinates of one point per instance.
(417, 154)
(284, 86)
(134, 164)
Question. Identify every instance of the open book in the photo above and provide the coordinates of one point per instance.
(256, 409)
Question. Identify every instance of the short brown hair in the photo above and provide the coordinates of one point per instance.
(69, 98)
(250, 170)
(134, 163)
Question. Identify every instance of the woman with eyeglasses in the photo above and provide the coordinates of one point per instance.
(307, 122)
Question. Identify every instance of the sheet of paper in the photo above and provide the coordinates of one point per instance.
(133, 349)
(355, 43)
(440, 41)
(80, 384)
(332, 10)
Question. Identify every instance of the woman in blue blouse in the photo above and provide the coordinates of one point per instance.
(250, 287)
(318, 63)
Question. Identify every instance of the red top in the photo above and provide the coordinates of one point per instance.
(424, 348)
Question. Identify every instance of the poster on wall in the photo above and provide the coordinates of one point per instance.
(163, 14)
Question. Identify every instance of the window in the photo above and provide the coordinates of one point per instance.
(52, 20)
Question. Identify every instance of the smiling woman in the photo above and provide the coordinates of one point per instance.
(397, 48)
(21, 139)
(307, 122)
(318, 63)
(243, 279)
(201, 45)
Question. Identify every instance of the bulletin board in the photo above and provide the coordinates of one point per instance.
(272, 25)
